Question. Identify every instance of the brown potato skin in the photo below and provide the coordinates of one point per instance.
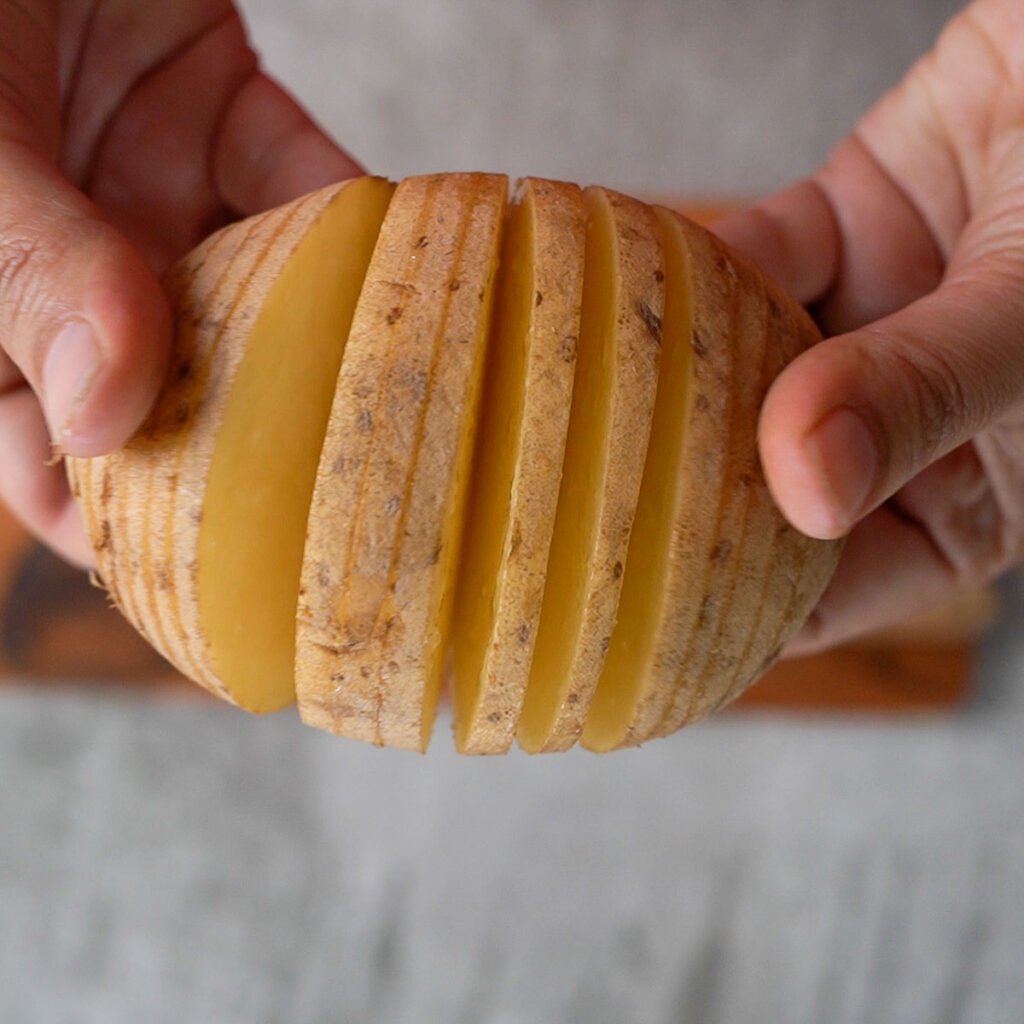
(385, 529)
(382, 536)
(143, 503)
(752, 578)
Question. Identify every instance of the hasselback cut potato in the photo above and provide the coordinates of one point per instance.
(430, 436)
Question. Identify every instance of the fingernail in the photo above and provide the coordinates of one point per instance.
(846, 457)
(69, 370)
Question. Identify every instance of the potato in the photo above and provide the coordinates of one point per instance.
(198, 524)
(420, 436)
(524, 423)
(385, 524)
(612, 405)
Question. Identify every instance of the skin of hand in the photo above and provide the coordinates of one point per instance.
(905, 428)
(129, 130)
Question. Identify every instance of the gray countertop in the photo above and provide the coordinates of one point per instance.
(168, 860)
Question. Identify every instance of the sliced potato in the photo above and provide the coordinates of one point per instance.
(609, 425)
(655, 572)
(518, 462)
(386, 519)
(731, 562)
(606, 560)
(206, 508)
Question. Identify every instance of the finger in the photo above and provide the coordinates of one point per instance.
(202, 137)
(112, 49)
(888, 255)
(888, 568)
(793, 236)
(32, 486)
(152, 173)
(853, 419)
(80, 315)
(848, 241)
(270, 151)
(946, 532)
(835, 438)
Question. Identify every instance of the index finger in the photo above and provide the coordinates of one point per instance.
(271, 151)
(793, 236)
(850, 240)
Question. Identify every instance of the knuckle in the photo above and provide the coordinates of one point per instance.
(21, 274)
(15, 256)
(39, 269)
(936, 397)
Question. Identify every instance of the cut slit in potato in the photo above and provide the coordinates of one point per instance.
(760, 568)
(385, 522)
(653, 570)
(612, 405)
(574, 573)
(148, 502)
(261, 476)
(518, 462)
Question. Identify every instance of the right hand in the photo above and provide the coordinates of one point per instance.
(905, 428)
(128, 131)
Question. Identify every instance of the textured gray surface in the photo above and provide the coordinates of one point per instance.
(170, 862)
(177, 862)
(670, 95)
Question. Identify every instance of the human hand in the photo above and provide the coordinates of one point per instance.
(907, 427)
(128, 131)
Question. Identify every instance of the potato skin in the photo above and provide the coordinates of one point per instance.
(381, 550)
(750, 579)
(143, 503)
(385, 521)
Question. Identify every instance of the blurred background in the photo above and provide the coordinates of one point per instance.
(163, 858)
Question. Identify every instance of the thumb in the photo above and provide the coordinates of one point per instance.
(852, 420)
(82, 318)
(81, 315)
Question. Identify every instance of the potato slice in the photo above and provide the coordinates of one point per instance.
(143, 524)
(208, 505)
(762, 576)
(609, 425)
(518, 462)
(655, 572)
(711, 553)
(386, 519)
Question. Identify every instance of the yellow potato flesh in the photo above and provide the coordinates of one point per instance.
(442, 596)
(385, 527)
(645, 585)
(586, 456)
(488, 530)
(263, 468)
